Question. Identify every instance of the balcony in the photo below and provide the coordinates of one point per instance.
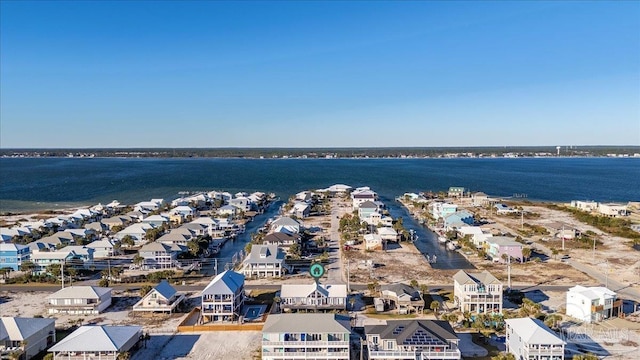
(305, 355)
(434, 355)
(332, 344)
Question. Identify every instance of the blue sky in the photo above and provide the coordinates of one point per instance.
(318, 74)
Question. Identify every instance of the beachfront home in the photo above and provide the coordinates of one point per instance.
(440, 210)
(100, 342)
(613, 210)
(241, 203)
(25, 336)
(13, 255)
(162, 298)
(78, 300)
(531, 339)
(306, 336)
(158, 255)
(183, 211)
(97, 227)
(479, 199)
(402, 297)
(102, 248)
(228, 210)
(156, 220)
(478, 236)
(373, 242)
(362, 195)
(498, 245)
(456, 192)
(477, 292)
(387, 234)
(592, 304)
(502, 209)
(366, 209)
(412, 339)
(301, 210)
(223, 298)
(285, 224)
(263, 261)
(282, 239)
(313, 297)
(584, 205)
(457, 220)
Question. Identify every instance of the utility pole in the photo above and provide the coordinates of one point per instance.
(594, 249)
(562, 234)
(509, 272)
(62, 272)
(348, 277)
(522, 219)
(109, 271)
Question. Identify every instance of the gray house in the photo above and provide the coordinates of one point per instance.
(403, 298)
(222, 299)
(28, 336)
(263, 261)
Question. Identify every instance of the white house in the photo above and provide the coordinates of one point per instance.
(242, 203)
(531, 339)
(136, 231)
(478, 236)
(228, 210)
(313, 297)
(223, 298)
(613, 210)
(362, 195)
(159, 255)
(77, 300)
(29, 336)
(412, 339)
(287, 224)
(103, 342)
(440, 210)
(402, 297)
(592, 304)
(102, 248)
(477, 292)
(162, 298)
(373, 242)
(584, 205)
(264, 261)
(306, 336)
(301, 210)
(156, 220)
(387, 234)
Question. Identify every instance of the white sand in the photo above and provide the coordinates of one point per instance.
(218, 345)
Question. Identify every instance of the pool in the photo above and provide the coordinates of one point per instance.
(254, 312)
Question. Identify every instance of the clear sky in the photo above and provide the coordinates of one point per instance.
(318, 74)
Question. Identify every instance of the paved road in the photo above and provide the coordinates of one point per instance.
(335, 273)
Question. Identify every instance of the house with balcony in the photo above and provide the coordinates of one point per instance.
(313, 297)
(137, 232)
(25, 336)
(613, 209)
(373, 242)
(43, 259)
(156, 220)
(162, 298)
(102, 248)
(306, 336)
(592, 304)
(496, 246)
(402, 297)
(283, 240)
(103, 342)
(477, 293)
(440, 210)
(13, 255)
(531, 339)
(264, 261)
(158, 255)
(366, 209)
(79, 300)
(387, 234)
(457, 220)
(223, 298)
(456, 192)
(301, 210)
(285, 224)
(412, 339)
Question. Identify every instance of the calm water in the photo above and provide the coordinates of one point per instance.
(30, 184)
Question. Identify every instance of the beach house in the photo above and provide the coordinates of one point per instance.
(264, 261)
(78, 300)
(301, 210)
(313, 297)
(496, 246)
(403, 298)
(284, 240)
(366, 209)
(456, 192)
(477, 234)
(531, 339)
(306, 336)
(102, 248)
(477, 292)
(412, 339)
(373, 242)
(440, 210)
(25, 336)
(100, 342)
(362, 195)
(156, 220)
(457, 220)
(613, 209)
(158, 255)
(285, 224)
(223, 298)
(592, 304)
(13, 255)
(162, 298)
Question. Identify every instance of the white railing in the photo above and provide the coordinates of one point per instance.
(434, 355)
(305, 355)
(390, 354)
(332, 344)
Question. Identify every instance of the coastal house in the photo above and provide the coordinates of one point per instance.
(366, 209)
(456, 192)
(223, 298)
(97, 227)
(338, 189)
(162, 298)
(402, 297)
(13, 255)
(301, 210)
(375, 219)
(59, 239)
(283, 239)
(264, 261)
(477, 234)
(306, 336)
(373, 242)
(479, 199)
(211, 226)
(285, 224)
(227, 210)
(502, 209)
(156, 220)
(362, 195)
(176, 237)
(477, 292)
(387, 234)
(43, 259)
(412, 339)
(104, 342)
(241, 203)
(613, 209)
(498, 245)
(457, 220)
(184, 211)
(26, 336)
(158, 255)
(102, 248)
(531, 339)
(119, 221)
(313, 297)
(304, 196)
(584, 205)
(79, 300)
(439, 209)
(592, 304)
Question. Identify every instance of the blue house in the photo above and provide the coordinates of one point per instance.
(458, 219)
(13, 255)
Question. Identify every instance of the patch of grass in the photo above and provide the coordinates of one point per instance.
(263, 296)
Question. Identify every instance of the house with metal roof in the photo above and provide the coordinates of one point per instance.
(282, 239)
(402, 297)
(162, 298)
(77, 300)
(13, 255)
(306, 336)
(26, 336)
(498, 245)
(158, 255)
(223, 297)
(287, 224)
(477, 292)
(264, 261)
(412, 339)
(313, 297)
(531, 339)
(97, 342)
(592, 304)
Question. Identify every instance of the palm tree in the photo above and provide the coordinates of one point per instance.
(414, 284)
(352, 302)
(526, 253)
(434, 306)
(277, 300)
(144, 290)
(137, 260)
(28, 266)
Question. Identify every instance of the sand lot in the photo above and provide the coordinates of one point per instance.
(222, 345)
